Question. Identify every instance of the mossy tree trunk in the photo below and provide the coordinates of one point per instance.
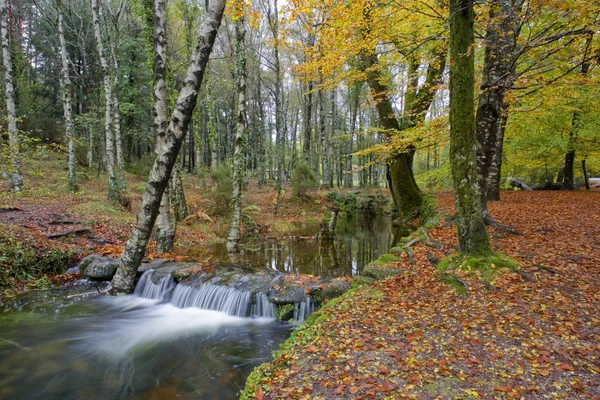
(124, 279)
(472, 236)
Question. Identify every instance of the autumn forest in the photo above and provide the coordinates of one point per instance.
(300, 199)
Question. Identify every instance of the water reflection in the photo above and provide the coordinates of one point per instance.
(357, 243)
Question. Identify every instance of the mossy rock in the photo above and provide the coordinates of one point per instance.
(380, 272)
(362, 281)
(285, 312)
(397, 251)
(99, 268)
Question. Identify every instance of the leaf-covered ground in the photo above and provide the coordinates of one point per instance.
(534, 335)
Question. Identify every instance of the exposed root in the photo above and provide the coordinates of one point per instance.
(540, 268)
(489, 221)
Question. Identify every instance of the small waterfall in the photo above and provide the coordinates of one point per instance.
(303, 310)
(213, 297)
(157, 291)
(262, 307)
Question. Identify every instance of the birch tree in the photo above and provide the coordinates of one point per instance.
(165, 227)
(15, 176)
(233, 237)
(124, 279)
(65, 86)
(114, 194)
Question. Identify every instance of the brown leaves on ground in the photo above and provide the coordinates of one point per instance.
(533, 335)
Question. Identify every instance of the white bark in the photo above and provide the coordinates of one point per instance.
(113, 187)
(124, 279)
(16, 178)
(165, 226)
(65, 85)
(233, 237)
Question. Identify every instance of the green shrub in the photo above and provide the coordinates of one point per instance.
(303, 179)
(222, 190)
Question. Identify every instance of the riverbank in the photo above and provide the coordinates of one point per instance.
(85, 222)
(533, 334)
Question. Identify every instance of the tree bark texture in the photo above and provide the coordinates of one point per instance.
(124, 279)
(498, 78)
(114, 194)
(16, 178)
(165, 226)
(233, 236)
(472, 236)
(65, 83)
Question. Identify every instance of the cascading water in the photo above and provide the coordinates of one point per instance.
(155, 291)
(208, 297)
(303, 310)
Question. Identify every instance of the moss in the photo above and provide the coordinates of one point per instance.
(358, 281)
(397, 251)
(485, 265)
(28, 255)
(448, 387)
(285, 312)
(380, 271)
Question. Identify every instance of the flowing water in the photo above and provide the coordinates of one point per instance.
(165, 340)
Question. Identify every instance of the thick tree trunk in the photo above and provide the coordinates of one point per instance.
(233, 237)
(403, 186)
(16, 178)
(65, 83)
(472, 236)
(124, 279)
(114, 194)
(178, 200)
(498, 78)
(165, 226)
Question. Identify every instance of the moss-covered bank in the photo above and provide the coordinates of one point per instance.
(26, 255)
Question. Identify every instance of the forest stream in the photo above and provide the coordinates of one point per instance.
(72, 342)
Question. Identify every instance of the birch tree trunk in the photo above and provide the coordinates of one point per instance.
(233, 237)
(16, 178)
(114, 194)
(165, 227)
(65, 83)
(279, 132)
(472, 236)
(323, 133)
(117, 119)
(124, 279)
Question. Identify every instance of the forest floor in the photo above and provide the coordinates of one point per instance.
(45, 208)
(534, 335)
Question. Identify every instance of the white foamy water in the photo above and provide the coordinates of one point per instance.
(143, 322)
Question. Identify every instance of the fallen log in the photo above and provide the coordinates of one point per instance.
(518, 184)
(83, 231)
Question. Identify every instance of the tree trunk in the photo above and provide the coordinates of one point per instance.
(165, 226)
(114, 194)
(279, 128)
(16, 178)
(124, 279)
(323, 133)
(472, 236)
(403, 186)
(585, 174)
(354, 104)
(568, 182)
(65, 83)
(498, 77)
(178, 201)
(233, 237)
